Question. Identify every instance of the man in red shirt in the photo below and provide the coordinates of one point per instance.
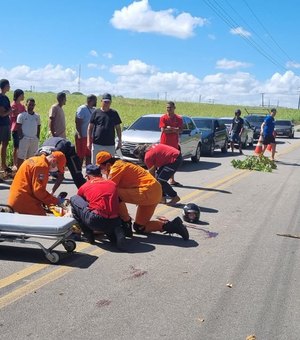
(96, 208)
(171, 127)
(162, 162)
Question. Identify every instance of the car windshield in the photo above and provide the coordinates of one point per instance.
(255, 119)
(283, 122)
(146, 124)
(226, 121)
(203, 124)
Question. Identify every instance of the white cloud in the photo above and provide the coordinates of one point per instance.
(97, 66)
(108, 55)
(139, 80)
(93, 53)
(139, 17)
(240, 31)
(133, 67)
(292, 64)
(230, 64)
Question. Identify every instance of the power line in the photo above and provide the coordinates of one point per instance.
(221, 12)
(264, 27)
(259, 36)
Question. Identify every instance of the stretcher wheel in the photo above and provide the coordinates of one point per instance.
(52, 257)
(69, 245)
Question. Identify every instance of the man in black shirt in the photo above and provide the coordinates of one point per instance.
(237, 127)
(103, 124)
(5, 109)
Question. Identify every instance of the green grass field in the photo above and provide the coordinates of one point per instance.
(130, 109)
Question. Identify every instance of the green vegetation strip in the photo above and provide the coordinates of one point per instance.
(258, 163)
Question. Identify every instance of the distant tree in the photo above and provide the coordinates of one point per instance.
(78, 93)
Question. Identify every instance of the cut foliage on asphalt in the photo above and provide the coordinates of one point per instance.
(258, 163)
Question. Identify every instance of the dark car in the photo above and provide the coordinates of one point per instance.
(214, 134)
(145, 130)
(284, 128)
(255, 121)
(247, 134)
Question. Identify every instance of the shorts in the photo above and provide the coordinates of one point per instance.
(4, 133)
(81, 148)
(28, 146)
(16, 139)
(269, 139)
(235, 138)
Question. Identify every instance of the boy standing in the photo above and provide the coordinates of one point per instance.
(29, 126)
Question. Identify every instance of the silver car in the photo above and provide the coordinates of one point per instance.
(145, 130)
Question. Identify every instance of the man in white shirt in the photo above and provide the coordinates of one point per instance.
(57, 120)
(29, 126)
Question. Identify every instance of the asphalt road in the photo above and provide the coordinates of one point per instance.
(234, 278)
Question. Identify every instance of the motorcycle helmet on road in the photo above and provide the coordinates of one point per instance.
(191, 213)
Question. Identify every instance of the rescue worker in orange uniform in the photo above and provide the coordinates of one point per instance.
(137, 186)
(28, 190)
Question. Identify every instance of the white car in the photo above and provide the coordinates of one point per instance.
(145, 130)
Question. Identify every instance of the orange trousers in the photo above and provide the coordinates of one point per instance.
(146, 198)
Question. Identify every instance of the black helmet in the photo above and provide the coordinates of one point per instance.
(191, 213)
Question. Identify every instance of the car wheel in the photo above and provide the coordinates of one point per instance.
(196, 158)
(224, 149)
(292, 135)
(212, 149)
(244, 145)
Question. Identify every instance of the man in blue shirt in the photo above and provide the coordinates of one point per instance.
(267, 131)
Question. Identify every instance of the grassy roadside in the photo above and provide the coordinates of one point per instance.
(130, 109)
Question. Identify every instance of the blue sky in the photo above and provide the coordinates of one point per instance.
(193, 50)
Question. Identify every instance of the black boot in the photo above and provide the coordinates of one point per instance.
(120, 238)
(176, 227)
(127, 227)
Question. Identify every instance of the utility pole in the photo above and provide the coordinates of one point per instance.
(262, 100)
(199, 98)
(299, 100)
(79, 75)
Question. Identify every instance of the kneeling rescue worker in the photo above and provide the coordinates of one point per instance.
(96, 208)
(137, 186)
(28, 190)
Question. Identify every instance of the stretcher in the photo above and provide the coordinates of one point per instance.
(21, 228)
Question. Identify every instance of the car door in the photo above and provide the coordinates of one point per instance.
(217, 134)
(247, 133)
(189, 137)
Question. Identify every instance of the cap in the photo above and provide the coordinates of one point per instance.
(102, 157)
(106, 97)
(93, 170)
(273, 110)
(60, 160)
(238, 111)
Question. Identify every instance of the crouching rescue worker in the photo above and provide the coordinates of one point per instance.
(73, 161)
(137, 186)
(96, 208)
(162, 161)
(28, 190)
